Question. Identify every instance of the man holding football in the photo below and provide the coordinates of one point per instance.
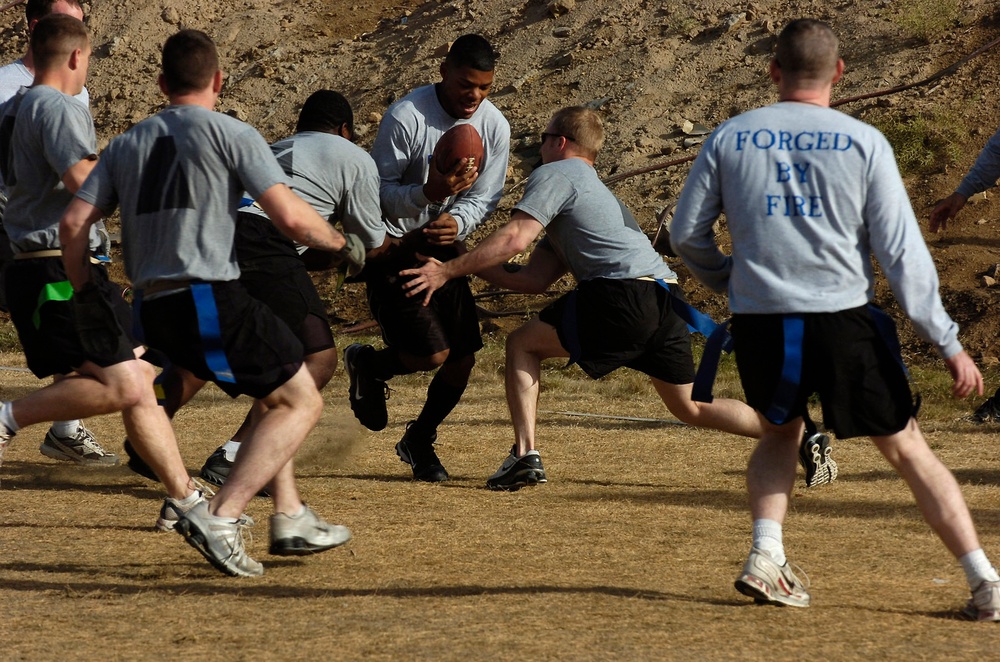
(430, 213)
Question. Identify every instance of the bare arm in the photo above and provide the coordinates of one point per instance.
(74, 235)
(543, 268)
(77, 174)
(497, 248)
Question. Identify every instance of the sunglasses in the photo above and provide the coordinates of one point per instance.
(556, 135)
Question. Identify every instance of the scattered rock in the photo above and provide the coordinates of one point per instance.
(374, 118)
(988, 281)
(733, 21)
(560, 7)
(171, 15)
(562, 33)
(238, 113)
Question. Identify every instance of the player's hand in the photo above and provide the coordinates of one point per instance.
(965, 375)
(426, 279)
(351, 258)
(442, 231)
(440, 186)
(946, 210)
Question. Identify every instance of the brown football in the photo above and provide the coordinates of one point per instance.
(459, 143)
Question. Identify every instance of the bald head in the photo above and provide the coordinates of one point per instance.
(807, 53)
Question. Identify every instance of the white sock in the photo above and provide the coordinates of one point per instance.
(189, 499)
(767, 537)
(232, 448)
(65, 428)
(7, 418)
(978, 568)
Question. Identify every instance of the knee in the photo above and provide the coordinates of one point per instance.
(321, 366)
(426, 363)
(134, 386)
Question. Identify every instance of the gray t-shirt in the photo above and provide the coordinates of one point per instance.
(402, 151)
(43, 132)
(178, 178)
(810, 194)
(337, 178)
(13, 77)
(589, 228)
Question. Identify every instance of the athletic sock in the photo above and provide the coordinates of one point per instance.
(7, 417)
(65, 428)
(189, 499)
(978, 568)
(441, 400)
(767, 537)
(231, 448)
(385, 364)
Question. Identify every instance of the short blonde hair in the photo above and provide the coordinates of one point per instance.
(583, 126)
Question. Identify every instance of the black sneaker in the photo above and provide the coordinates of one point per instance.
(367, 394)
(517, 472)
(421, 457)
(814, 455)
(137, 464)
(988, 412)
(217, 467)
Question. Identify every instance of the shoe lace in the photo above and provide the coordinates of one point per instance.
(800, 575)
(388, 391)
(207, 490)
(87, 440)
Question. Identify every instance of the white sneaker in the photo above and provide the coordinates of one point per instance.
(172, 509)
(218, 540)
(80, 447)
(5, 438)
(766, 581)
(984, 605)
(304, 534)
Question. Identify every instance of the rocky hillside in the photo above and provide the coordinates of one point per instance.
(650, 67)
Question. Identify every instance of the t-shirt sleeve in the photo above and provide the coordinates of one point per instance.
(361, 212)
(68, 137)
(545, 195)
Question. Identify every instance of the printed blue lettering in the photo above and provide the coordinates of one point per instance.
(767, 134)
(772, 204)
(802, 169)
(741, 140)
(808, 144)
(784, 171)
(785, 140)
(823, 141)
(836, 142)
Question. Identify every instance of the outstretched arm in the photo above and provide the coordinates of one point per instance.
(945, 211)
(543, 268)
(965, 375)
(497, 248)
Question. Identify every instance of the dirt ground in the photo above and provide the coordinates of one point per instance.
(629, 552)
(631, 549)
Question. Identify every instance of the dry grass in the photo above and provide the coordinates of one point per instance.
(628, 553)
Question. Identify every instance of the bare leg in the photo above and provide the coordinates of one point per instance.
(771, 470)
(934, 487)
(152, 435)
(527, 346)
(292, 411)
(721, 414)
(320, 365)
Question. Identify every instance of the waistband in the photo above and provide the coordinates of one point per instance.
(54, 252)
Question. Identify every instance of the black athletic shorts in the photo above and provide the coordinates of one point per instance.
(272, 272)
(38, 296)
(221, 334)
(605, 324)
(849, 360)
(449, 322)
